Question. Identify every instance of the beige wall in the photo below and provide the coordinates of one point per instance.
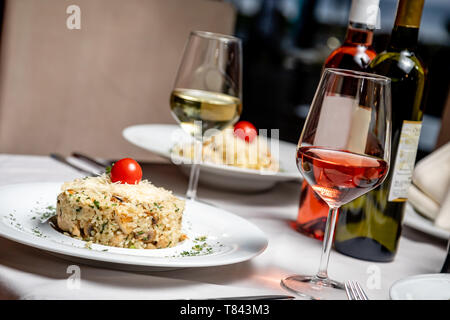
(64, 90)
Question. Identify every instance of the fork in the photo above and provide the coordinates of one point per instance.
(354, 291)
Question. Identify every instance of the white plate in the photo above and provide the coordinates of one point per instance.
(231, 238)
(160, 138)
(422, 287)
(415, 220)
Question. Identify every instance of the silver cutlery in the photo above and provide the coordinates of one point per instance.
(262, 297)
(62, 159)
(90, 160)
(354, 291)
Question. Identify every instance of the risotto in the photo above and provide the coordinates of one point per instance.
(139, 216)
(227, 149)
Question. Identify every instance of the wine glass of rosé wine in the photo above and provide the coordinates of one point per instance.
(207, 93)
(343, 153)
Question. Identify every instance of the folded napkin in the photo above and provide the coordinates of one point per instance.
(430, 189)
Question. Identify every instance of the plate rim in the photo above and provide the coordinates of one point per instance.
(414, 277)
(106, 257)
(431, 230)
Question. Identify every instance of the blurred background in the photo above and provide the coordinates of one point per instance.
(63, 90)
(287, 41)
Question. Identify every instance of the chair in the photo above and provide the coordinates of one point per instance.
(64, 90)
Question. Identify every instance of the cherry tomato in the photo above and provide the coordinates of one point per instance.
(126, 170)
(245, 130)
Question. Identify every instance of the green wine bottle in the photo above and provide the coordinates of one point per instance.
(369, 227)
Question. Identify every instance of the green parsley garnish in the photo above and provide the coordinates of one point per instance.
(157, 205)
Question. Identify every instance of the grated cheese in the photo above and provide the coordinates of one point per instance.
(102, 185)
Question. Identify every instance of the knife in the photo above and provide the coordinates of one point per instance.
(262, 297)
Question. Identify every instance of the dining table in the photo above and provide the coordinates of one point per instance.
(30, 273)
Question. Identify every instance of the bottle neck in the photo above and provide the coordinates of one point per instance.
(404, 38)
(407, 22)
(358, 34)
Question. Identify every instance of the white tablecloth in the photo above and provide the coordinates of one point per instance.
(28, 273)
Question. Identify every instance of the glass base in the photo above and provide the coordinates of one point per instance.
(312, 287)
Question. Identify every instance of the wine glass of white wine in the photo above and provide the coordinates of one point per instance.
(207, 91)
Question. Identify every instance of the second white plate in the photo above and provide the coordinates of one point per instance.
(160, 138)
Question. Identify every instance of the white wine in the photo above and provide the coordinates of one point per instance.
(214, 110)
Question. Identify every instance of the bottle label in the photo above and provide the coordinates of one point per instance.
(404, 161)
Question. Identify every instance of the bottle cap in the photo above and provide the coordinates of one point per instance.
(365, 12)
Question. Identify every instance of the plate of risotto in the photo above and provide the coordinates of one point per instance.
(138, 226)
(256, 161)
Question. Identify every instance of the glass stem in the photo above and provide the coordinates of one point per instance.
(195, 170)
(327, 243)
